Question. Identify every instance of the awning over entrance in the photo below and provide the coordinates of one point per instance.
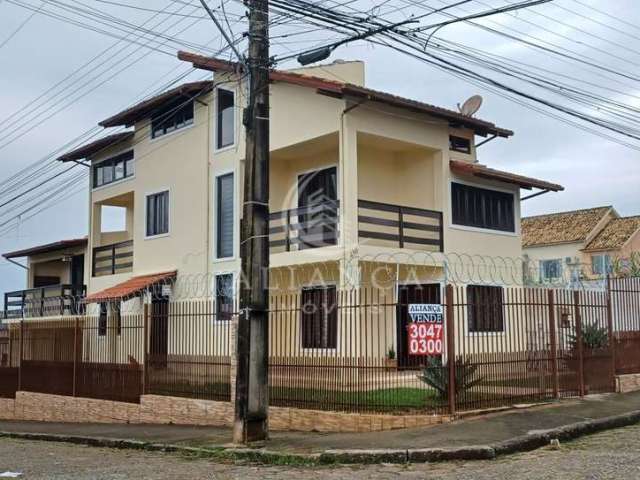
(478, 170)
(131, 287)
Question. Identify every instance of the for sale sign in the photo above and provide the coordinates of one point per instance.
(425, 329)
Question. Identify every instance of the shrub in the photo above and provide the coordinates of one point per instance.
(593, 337)
(437, 376)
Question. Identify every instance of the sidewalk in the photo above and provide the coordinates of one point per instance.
(485, 430)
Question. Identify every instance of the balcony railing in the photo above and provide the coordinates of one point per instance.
(400, 226)
(112, 259)
(49, 301)
(302, 228)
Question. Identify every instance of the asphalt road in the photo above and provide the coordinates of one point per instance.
(610, 455)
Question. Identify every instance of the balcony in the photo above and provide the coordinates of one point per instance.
(49, 301)
(303, 228)
(398, 226)
(113, 258)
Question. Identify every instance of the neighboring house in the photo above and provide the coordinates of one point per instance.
(54, 279)
(359, 179)
(579, 244)
(619, 239)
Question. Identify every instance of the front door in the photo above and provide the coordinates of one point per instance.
(317, 208)
(159, 332)
(408, 294)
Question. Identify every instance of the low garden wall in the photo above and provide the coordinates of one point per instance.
(157, 409)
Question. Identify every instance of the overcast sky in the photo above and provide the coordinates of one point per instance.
(595, 171)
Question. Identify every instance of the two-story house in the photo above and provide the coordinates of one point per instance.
(366, 188)
(580, 244)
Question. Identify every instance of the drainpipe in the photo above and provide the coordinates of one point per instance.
(17, 263)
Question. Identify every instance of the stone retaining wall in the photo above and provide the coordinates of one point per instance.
(186, 411)
(628, 383)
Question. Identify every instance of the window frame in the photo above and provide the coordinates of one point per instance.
(146, 213)
(216, 122)
(606, 263)
(466, 151)
(113, 160)
(470, 310)
(153, 137)
(545, 262)
(516, 209)
(216, 318)
(216, 223)
(336, 340)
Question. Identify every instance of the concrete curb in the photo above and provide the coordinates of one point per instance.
(522, 443)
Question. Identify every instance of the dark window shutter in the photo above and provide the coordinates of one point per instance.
(225, 216)
(482, 208)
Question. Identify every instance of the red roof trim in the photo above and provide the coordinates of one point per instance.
(477, 170)
(481, 127)
(130, 287)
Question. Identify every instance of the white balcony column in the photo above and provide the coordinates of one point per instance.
(348, 184)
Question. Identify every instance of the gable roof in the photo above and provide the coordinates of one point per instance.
(562, 227)
(615, 234)
(482, 171)
(92, 148)
(49, 247)
(341, 90)
(147, 107)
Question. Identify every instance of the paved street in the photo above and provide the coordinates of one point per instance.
(610, 455)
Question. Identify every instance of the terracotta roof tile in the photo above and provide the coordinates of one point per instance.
(478, 170)
(562, 227)
(481, 127)
(131, 287)
(147, 107)
(615, 234)
(96, 146)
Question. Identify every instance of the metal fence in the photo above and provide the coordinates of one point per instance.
(418, 348)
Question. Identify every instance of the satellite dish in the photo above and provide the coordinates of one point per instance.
(470, 106)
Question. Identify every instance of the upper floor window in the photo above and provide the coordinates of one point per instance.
(172, 118)
(224, 216)
(485, 309)
(482, 208)
(601, 264)
(157, 214)
(113, 169)
(459, 144)
(225, 118)
(551, 269)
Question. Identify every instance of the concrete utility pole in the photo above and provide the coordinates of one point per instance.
(251, 408)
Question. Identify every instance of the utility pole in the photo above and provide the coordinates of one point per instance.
(251, 406)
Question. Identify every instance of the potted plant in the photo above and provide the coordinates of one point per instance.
(390, 361)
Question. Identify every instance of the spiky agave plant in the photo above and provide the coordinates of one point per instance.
(436, 375)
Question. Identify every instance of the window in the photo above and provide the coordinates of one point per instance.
(102, 319)
(485, 309)
(459, 144)
(482, 208)
(224, 297)
(224, 216)
(113, 169)
(174, 117)
(551, 269)
(319, 314)
(225, 131)
(601, 264)
(158, 214)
